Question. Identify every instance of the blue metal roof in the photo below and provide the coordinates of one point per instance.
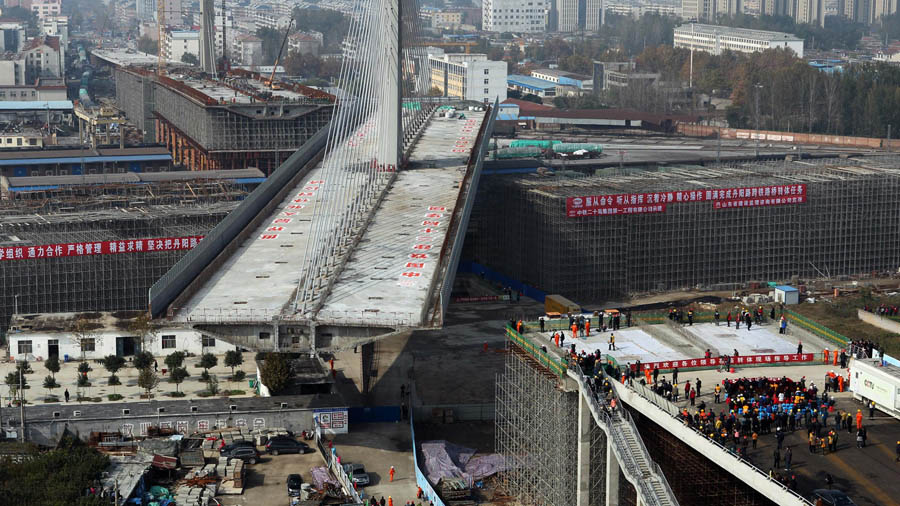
(27, 105)
(32, 188)
(86, 159)
(785, 288)
(530, 82)
(246, 180)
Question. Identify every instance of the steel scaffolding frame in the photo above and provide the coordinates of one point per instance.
(846, 227)
(537, 433)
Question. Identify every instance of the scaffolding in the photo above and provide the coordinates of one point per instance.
(845, 227)
(106, 282)
(537, 433)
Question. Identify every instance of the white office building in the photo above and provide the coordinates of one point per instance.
(518, 16)
(715, 39)
(179, 42)
(468, 76)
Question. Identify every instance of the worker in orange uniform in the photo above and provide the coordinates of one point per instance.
(859, 418)
(840, 383)
(825, 354)
(390, 501)
(556, 339)
(519, 329)
(574, 331)
(834, 358)
(647, 375)
(391, 472)
(587, 327)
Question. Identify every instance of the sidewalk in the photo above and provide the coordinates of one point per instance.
(99, 390)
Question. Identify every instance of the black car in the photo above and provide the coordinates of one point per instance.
(832, 497)
(294, 482)
(283, 444)
(236, 444)
(246, 453)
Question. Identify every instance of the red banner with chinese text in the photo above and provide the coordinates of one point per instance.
(745, 360)
(654, 202)
(98, 248)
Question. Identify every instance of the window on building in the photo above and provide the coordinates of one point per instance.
(265, 335)
(89, 344)
(207, 342)
(487, 71)
(24, 347)
(486, 91)
(168, 342)
(486, 81)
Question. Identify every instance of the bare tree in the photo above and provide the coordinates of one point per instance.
(831, 85)
(84, 336)
(812, 96)
(144, 328)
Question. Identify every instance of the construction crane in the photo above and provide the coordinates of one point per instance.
(435, 43)
(271, 82)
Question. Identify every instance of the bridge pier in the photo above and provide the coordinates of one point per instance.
(584, 453)
(613, 474)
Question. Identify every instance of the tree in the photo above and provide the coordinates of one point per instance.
(52, 365)
(143, 360)
(50, 383)
(276, 372)
(113, 363)
(148, 380)
(190, 58)
(177, 376)
(175, 360)
(13, 382)
(233, 358)
(84, 336)
(55, 477)
(208, 361)
(144, 328)
(435, 92)
(147, 45)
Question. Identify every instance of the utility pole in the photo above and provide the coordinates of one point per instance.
(757, 87)
(889, 139)
(21, 407)
(718, 144)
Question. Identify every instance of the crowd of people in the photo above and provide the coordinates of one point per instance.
(883, 310)
(863, 348)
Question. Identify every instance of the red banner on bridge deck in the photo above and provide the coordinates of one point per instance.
(75, 249)
(655, 202)
(747, 360)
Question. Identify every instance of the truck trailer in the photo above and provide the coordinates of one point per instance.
(871, 381)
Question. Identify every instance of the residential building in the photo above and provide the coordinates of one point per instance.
(247, 49)
(177, 43)
(528, 16)
(266, 18)
(881, 8)
(305, 43)
(812, 11)
(147, 11)
(578, 15)
(699, 10)
(778, 7)
(43, 58)
(12, 69)
(715, 39)
(729, 7)
(637, 11)
(446, 19)
(531, 85)
(57, 26)
(468, 76)
(12, 37)
(48, 89)
(609, 75)
(46, 8)
(27, 138)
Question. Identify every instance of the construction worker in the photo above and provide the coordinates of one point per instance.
(716, 316)
(519, 326)
(834, 358)
(859, 417)
(556, 339)
(647, 375)
(840, 383)
(825, 354)
(612, 341)
(574, 331)
(391, 472)
(728, 319)
(587, 327)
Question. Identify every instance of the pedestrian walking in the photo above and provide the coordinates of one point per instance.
(391, 472)
(777, 458)
(799, 347)
(716, 316)
(697, 386)
(788, 455)
(728, 319)
(871, 410)
(67, 395)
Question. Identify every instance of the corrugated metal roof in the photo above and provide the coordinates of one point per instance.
(530, 82)
(87, 159)
(28, 105)
(34, 183)
(183, 175)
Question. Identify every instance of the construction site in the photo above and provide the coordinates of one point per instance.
(622, 232)
(242, 120)
(84, 243)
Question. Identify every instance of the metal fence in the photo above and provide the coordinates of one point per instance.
(544, 358)
(816, 328)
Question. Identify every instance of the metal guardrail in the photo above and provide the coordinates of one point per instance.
(545, 359)
(642, 476)
(667, 407)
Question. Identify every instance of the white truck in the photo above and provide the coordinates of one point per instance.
(871, 382)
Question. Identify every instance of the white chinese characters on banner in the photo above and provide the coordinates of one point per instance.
(99, 248)
(655, 202)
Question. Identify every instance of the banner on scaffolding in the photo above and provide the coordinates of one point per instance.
(76, 249)
(655, 202)
(745, 360)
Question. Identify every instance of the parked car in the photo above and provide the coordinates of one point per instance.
(236, 444)
(357, 473)
(294, 482)
(832, 497)
(245, 453)
(283, 444)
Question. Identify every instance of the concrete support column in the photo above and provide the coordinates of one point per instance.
(613, 474)
(585, 420)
